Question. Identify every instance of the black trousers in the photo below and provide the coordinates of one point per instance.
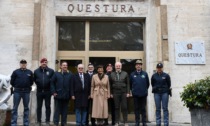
(140, 108)
(112, 108)
(46, 97)
(89, 110)
(61, 110)
(120, 101)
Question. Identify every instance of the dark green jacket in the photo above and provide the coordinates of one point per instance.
(121, 85)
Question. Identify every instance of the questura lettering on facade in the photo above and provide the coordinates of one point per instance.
(100, 8)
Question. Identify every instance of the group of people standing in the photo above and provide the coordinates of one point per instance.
(93, 93)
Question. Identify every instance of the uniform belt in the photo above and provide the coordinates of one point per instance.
(160, 89)
(22, 89)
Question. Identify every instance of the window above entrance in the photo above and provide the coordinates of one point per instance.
(116, 36)
(71, 36)
(100, 36)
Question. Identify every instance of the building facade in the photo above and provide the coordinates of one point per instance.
(106, 31)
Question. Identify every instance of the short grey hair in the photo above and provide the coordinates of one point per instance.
(118, 63)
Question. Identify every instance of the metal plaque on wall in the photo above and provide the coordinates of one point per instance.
(190, 52)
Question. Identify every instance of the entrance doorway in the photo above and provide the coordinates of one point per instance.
(102, 61)
(101, 42)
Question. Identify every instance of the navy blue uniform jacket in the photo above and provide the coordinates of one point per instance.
(160, 82)
(139, 83)
(22, 80)
(42, 78)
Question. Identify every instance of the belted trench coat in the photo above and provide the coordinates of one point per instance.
(100, 92)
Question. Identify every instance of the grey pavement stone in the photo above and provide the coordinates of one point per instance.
(130, 124)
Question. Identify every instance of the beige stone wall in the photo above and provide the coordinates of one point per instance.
(16, 36)
(187, 20)
(16, 33)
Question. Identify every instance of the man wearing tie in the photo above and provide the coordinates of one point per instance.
(90, 72)
(80, 92)
(120, 91)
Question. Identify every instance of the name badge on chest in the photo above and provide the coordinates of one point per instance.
(47, 73)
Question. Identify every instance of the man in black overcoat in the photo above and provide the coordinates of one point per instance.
(80, 92)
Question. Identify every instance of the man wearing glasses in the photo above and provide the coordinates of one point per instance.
(80, 92)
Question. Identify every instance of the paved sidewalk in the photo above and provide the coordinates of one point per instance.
(130, 124)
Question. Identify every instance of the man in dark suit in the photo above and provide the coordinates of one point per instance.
(90, 72)
(80, 92)
(109, 69)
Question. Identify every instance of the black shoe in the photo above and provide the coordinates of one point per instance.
(144, 124)
(105, 124)
(93, 124)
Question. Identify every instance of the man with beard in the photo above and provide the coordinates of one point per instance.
(139, 81)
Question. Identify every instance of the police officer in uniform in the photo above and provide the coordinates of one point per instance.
(21, 80)
(161, 84)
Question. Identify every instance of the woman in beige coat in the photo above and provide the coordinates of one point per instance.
(100, 92)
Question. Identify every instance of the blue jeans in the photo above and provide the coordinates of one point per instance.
(61, 109)
(16, 101)
(161, 98)
(81, 114)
